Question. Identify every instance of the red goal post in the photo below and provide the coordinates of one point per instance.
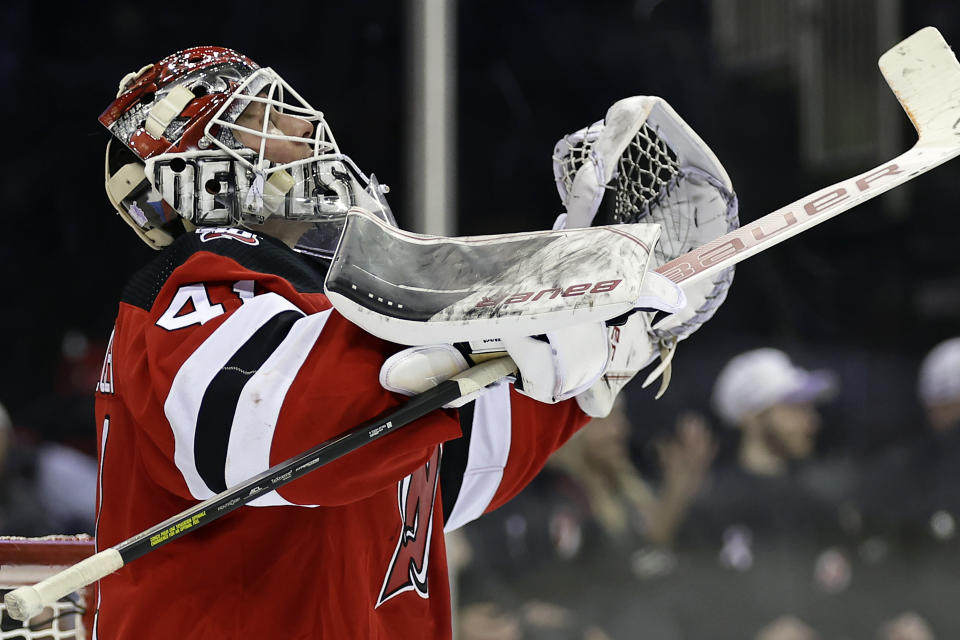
(25, 561)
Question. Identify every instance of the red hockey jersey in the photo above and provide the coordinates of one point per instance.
(226, 358)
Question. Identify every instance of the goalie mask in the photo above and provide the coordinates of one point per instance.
(211, 139)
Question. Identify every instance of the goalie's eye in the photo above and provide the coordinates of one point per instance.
(252, 116)
(295, 132)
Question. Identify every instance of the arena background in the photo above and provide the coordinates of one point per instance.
(788, 97)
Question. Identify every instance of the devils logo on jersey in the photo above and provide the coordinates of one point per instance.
(415, 496)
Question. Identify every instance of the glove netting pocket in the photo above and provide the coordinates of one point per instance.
(651, 182)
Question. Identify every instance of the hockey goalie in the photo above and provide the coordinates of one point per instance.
(228, 356)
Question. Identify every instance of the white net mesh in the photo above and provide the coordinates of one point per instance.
(646, 171)
(29, 560)
(569, 157)
(62, 621)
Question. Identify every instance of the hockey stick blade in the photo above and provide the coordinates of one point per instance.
(924, 74)
(25, 602)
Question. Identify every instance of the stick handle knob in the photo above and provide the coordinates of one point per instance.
(25, 602)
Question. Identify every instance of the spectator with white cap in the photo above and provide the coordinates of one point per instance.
(774, 496)
(912, 484)
(771, 511)
(938, 385)
(772, 401)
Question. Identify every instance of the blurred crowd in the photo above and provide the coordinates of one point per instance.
(735, 522)
(48, 467)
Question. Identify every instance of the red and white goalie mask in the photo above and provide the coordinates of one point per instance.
(212, 139)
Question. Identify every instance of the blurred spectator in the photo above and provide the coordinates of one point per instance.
(906, 626)
(772, 402)
(938, 386)
(787, 628)
(592, 499)
(589, 519)
(775, 486)
(487, 621)
(623, 505)
(6, 427)
(914, 484)
(832, 570)
(21, 511)
(67, 488)
(62, 425)
(532, 620)
(767, 526)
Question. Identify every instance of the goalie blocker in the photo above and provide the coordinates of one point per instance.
(415, 289)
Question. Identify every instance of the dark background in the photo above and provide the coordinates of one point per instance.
(867, 293)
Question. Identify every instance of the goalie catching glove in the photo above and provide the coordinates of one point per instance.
(643, 163)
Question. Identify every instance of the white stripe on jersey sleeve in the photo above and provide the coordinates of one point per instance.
(182, 405)
(486, 457)
(248, 451)
(96, 529)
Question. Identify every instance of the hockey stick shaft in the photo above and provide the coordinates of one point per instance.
(924, 74)
(27, 601)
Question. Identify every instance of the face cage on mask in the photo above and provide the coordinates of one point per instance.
(245, 188)
(321, 142)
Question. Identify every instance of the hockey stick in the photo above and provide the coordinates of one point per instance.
(25, 602)
(924, 74)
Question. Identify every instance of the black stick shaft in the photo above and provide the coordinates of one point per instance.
(280, 474)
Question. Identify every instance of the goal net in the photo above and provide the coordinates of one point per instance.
(27, 561)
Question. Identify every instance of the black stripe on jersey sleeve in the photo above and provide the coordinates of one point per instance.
(219, 404)
(454, 464)
(269, 255)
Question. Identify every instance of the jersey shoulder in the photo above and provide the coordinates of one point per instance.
(256, 252)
